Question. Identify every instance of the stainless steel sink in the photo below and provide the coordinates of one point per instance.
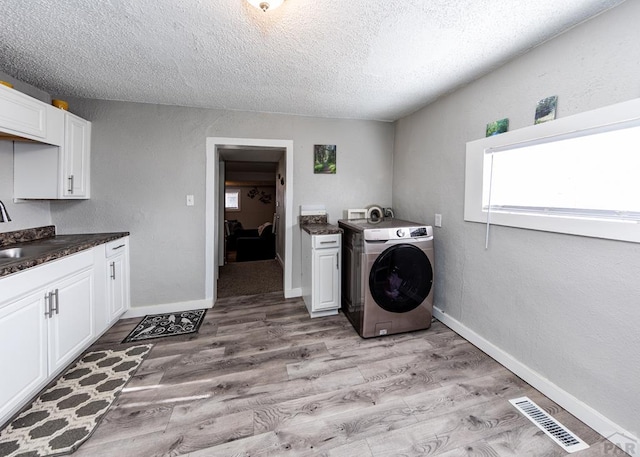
(24, 251)
(11, 253)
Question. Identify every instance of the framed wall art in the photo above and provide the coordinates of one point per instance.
(546, 109)
(497, 127)
(324, 158)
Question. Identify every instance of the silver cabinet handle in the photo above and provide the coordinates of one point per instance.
(47, 305)
(328, 242)
(113, 270)
(70, 178)
(338, 261)
(118, 247)
(57, 307)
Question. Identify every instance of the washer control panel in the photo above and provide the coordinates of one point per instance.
(384, 234)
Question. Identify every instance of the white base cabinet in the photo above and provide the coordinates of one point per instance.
(46, 317)
(113, 297)
(117, 257)
(51, 313)
(23, 353)
(321, 273)
(70, 326)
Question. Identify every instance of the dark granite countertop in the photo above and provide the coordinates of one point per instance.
(42, 245)
(318, 225)
(321, 229)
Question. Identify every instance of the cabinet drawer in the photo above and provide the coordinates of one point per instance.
(326, 241)
(115, 247)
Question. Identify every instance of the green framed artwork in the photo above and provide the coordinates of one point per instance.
(546, 109)
(324, 159)
(497, 127)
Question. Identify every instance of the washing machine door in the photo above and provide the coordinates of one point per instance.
(401, 278)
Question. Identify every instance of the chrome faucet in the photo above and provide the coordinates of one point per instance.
(4, 216)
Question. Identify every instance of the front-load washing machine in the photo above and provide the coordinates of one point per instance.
(387, 275)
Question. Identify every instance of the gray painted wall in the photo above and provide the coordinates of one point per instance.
(568, 307)
(146, 158)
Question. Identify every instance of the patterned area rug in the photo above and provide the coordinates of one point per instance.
(157, 325)
(66, 414)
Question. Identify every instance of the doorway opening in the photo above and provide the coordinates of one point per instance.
(247, 153)
(253, 200)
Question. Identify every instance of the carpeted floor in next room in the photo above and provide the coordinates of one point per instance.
(249, 278)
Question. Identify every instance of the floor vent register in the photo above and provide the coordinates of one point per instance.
(554, 429)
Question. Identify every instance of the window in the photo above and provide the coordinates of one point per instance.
(577, 175)
(232, 200)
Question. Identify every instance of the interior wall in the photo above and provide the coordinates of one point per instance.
(253, 212)
(565, 306)
(147, 158)
(24, 214)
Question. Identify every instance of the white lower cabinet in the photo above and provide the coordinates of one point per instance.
(112, 283)
(46, 320)
(70, 325)
(321, 273)
(117, 254)
(23, 351)
(49, 314)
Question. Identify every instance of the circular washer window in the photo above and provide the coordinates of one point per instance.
(401, 278)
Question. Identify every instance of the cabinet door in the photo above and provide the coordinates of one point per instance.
(118, 288)
(22, 115)
(326, 279)
(71, 326)
(23, 357)
(76, 153)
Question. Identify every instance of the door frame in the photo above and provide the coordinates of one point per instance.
(212, 209)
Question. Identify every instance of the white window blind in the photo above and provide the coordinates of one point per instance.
(577, 175)
(592, 173)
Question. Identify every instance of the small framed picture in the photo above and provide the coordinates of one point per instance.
(497, 127)
(324, 158)
(546, 109)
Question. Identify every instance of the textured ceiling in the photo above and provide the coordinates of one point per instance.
(373, 59)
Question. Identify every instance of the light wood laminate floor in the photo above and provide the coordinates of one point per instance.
(263, 379)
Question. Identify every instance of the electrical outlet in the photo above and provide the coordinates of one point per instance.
(438, 221)
(190, 200)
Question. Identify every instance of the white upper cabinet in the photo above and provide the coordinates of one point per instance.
(42, 171)
(52, 148)
(22, 116)
(75, 156)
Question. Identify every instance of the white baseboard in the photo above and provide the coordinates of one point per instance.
(607, 428)
(293, 293)
(139, 311)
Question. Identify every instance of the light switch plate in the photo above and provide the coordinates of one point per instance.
(190, 200)
(438, 221)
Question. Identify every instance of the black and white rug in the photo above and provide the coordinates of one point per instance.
(171, 324)
(67, 413)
